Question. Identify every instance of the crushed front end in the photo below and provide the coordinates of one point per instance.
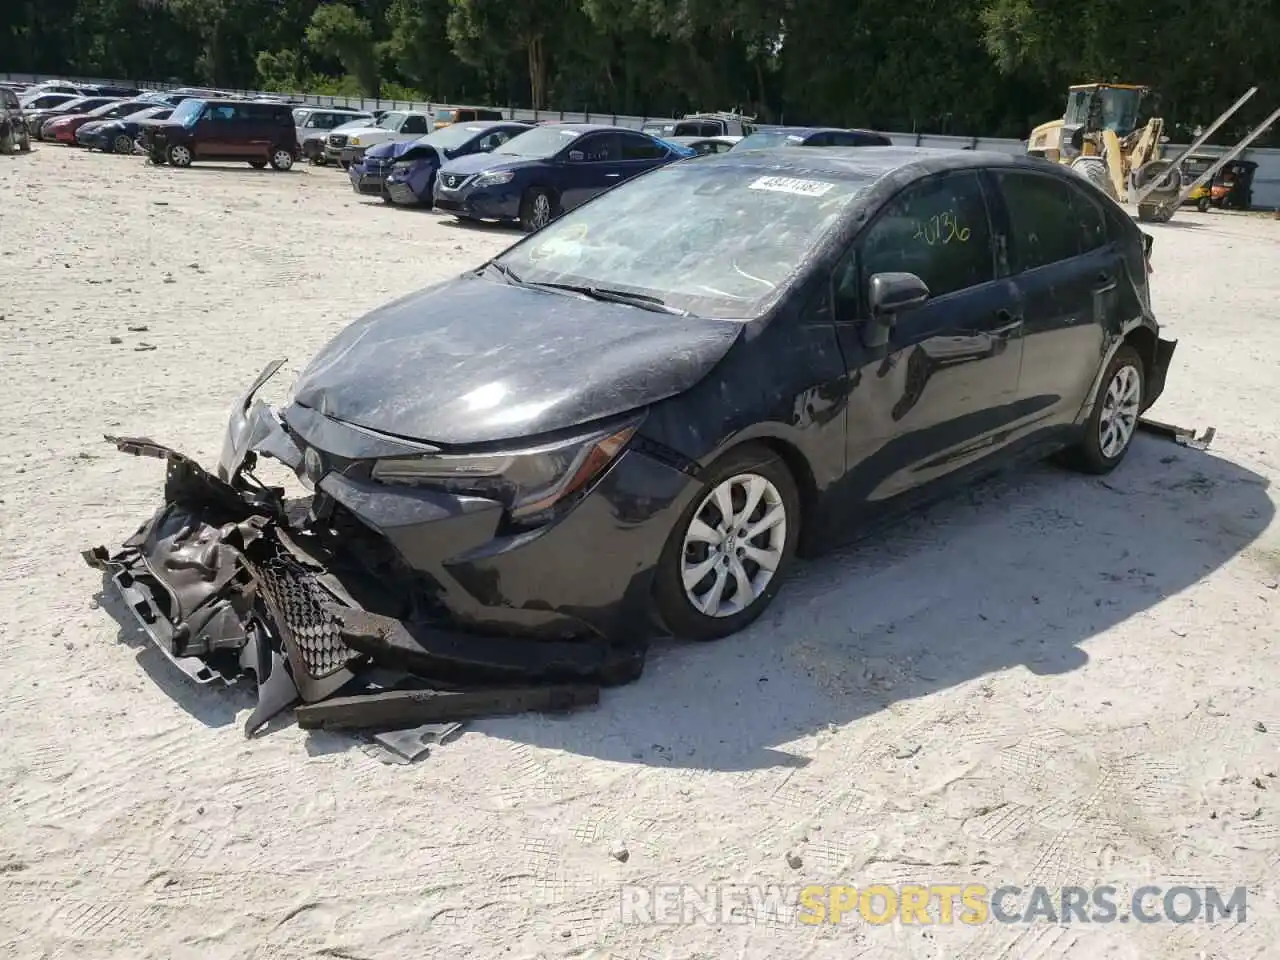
(232, 578)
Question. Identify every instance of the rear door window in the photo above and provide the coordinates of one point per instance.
(1043, 222)
(937, 229)
(636, 147)
(1093, 225)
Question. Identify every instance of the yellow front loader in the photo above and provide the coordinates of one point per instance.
(1110, 135)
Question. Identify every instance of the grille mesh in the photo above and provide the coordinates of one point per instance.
(300, 601)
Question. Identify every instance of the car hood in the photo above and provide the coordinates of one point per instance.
(394, 148)
(477, 162)
(474, 360)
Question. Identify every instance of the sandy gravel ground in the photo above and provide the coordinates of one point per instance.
(1051, 680)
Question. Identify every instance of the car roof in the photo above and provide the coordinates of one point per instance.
(488, 124)
(861, 163)
(585, 127)
(238, 100)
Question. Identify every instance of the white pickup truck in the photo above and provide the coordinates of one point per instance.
(349, 146)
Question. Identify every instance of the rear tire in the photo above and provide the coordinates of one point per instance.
(705, 590)
(1203, 205)
(1113, 421)
(281, 159)
(258, 164)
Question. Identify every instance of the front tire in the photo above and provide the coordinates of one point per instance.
(1203, 205)
(179, 155)
(123, 143)
(1113, 422)
(727, 555)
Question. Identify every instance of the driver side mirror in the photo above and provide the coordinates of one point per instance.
(888, 295)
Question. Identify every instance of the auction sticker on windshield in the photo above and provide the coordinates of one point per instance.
(804, 188)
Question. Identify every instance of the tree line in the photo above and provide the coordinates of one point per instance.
(966, 67)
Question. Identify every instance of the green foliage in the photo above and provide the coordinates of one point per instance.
(336, 30)
(970, 67)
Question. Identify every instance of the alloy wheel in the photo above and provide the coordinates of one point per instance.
(734, 545)
(541, 211)
(179, 156)
(1119, 416)
(124, 144)
(282, 160)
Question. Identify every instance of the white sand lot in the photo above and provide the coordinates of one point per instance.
(1052, 680)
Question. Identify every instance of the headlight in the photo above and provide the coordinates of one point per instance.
(354, 141)
(534, 482)
(494, 178)
(403, 166)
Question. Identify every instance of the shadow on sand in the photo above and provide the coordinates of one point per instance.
(1020, 571)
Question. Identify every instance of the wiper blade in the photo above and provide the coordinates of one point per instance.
(642, 300)
(506, 272)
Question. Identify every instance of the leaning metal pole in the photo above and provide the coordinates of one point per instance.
(1230, 155)
(1213, 127)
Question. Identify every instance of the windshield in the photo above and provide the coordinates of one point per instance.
(538, 142)
(391, 121)
(767, 139)
(187, 112)
(151, 113)
(708, 238)
(47, 100)
(454, 135)
(1119, 108)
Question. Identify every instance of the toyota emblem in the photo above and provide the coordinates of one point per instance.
(313, 465)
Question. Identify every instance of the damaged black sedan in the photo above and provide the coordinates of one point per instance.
(631, 421)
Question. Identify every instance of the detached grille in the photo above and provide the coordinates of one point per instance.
(294, 592)
(337, 139)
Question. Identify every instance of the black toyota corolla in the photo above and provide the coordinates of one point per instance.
(631, 420)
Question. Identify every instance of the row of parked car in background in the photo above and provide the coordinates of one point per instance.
(470, 162)
(515, 172)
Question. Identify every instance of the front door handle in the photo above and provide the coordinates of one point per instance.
(1105, 283)
(613, 174)
(1010, 323)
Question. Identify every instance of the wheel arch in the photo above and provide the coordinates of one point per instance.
(773, 437)
(1143, 339)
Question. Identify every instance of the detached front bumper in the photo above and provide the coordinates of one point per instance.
(229, 577)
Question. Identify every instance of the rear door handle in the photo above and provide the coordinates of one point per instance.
(613, 174)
